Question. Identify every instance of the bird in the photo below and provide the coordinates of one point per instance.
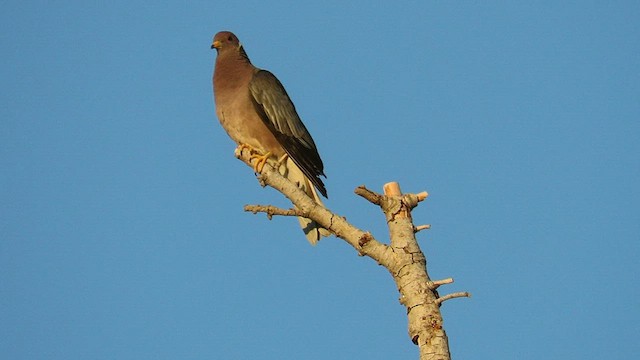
(255, 110)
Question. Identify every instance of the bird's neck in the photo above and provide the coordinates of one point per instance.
(243, 54)
(232, 65)
(233, 58)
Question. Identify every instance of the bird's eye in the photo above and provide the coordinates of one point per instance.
(230, 38)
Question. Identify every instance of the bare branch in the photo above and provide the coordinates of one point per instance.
(436, 283)
(371, 196)
(363, 242)
(422, 196)
(442, 299)
(403, 258)
(271, 210)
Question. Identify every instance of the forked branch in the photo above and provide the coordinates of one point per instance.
(402, 257)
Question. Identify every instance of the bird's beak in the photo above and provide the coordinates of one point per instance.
(216, 44)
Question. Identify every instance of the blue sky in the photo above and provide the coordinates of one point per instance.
(121, 222)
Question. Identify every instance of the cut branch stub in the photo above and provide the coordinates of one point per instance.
(398, 204)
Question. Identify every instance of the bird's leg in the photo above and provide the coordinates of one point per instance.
(282, 159)
(282, 164)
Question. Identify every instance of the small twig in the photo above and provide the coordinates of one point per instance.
(442, 299)
(273, 210)
(371, 196)
(421, 227)
(436, 283)
(421, 196)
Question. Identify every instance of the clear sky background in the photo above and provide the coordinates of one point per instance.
(121, 224)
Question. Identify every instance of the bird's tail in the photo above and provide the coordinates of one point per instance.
(312, 230)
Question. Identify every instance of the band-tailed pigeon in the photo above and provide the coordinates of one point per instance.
(255, 110)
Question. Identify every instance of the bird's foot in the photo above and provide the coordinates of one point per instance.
(260, 161)
(255, 154)
(243, 147)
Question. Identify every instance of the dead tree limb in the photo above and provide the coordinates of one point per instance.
(402, 257)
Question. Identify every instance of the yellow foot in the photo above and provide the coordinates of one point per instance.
(261, 160)
(242, 147)
(255, 154)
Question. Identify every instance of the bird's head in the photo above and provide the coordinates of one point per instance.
(225, 40)
(228, 46)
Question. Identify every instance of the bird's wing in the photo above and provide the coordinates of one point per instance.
(279, 114)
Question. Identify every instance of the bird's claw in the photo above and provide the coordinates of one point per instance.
(254, 154)
(260, 161)
(243, 147)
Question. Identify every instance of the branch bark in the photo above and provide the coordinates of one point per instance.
(402, 257)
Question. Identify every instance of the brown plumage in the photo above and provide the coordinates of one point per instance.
(254, 109)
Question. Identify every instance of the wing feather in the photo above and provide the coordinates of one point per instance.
(277, 111)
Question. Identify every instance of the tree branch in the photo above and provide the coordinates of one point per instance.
(403, 257)
(363, 242)
(271, 210)
(452, 296)
(436, 283)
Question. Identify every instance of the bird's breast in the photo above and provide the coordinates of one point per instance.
(242, 123)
